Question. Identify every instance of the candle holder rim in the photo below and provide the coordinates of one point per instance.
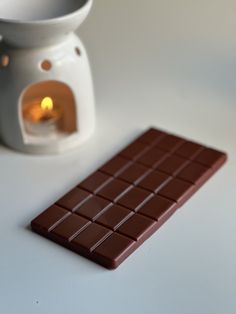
(47, 21)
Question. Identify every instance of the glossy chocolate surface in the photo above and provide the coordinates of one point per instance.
(113, 211)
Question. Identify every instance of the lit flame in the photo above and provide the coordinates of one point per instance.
(47, 103)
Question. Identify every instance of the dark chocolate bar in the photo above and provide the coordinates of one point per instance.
(112, 212)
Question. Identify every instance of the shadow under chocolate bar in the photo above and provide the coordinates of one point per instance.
(113, 211)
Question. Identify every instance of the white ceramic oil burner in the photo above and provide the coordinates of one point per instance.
(46, 92)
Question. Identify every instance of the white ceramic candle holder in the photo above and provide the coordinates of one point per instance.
(46, 92)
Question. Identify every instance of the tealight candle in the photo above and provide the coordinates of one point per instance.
(42, 116)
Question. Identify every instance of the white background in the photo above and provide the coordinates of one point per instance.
(167, 63)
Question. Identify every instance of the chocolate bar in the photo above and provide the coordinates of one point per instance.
(113, 211)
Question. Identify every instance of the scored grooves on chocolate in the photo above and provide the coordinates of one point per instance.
(115, 209)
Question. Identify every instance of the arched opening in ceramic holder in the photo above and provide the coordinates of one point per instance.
(47, 112)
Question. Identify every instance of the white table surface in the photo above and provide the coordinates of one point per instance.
(167, 63)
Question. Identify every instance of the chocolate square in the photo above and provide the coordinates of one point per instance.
(70, 226)
(114, 250)
(134, 173)
(152, 157)
(169, 142)
(134, 150)
(136, 227)
(73, 199)
(188, 150)
(176, 190)
(157, 207)
(134, 198)
(194, 173)
(114, 216)
(209, 157)
(172, 165)
(91, 237)
(95, 182)
(50, 218)
(114, 166)
(93, 207)
(154, 181)
(151, 136)
(114, 189)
